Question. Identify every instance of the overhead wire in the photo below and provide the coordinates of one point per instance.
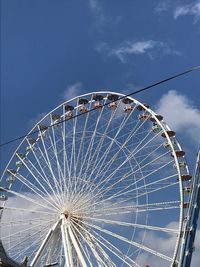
(107, 103)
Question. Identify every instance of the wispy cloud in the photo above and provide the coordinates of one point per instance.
(180, 113)
(97, 11)
(101, 19)
(162, 6)
(192, 9)
(72, 91)
(189, 9)
(128, 48)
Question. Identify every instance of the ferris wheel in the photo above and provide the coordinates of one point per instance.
(99, 181)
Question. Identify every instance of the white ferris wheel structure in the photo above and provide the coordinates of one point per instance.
(100, 181)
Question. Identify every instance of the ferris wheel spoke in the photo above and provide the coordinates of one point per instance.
(126, 190)
(103, 191)
(28, 237)
(39, 182)
(152, 171)
(52, 182)
(159, 182)
(65, 158)
(29, 248)
(99, 253)
(158, 189)
(28, 199)
(110, 247)
(115, 208)
(126, 151)
(82, 140)
(34, 189)
(130, 156)
(95, 156)
(73, 145)
(129, 199)
(114, 250)
(91, 184)
(92, 142)
(131, 242)
(150, 154)
(29, 210)
(134, 131)
(96, 175)
(133, 172)
(107, 150)
(141, 226)
(31, 185)
(81, 158)
(141, 210)
(103, 169)
(96, 249)
(33, 222)
(24, 230)
(41, 171)
(25, 221)
(88, 152)
(89, 148)
(55, 151)
(143, 194)
(125, 204)
(136, 211)
(46, 157)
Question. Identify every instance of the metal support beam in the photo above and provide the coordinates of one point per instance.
(77, 248)
(52, 248)
(44, 245)
(66, 243)
(193, 215)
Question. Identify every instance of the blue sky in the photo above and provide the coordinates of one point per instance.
(52, 50)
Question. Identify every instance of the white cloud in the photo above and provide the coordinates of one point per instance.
(97, 12)
(190, 9)
(180, 113)
(128, 48)
(25, 220)
(100, 18)
(166, 245)
(72, 91)
(93, 4)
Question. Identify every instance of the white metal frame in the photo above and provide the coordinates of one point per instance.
(52, 202)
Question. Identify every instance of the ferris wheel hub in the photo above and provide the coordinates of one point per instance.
(67, 214)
